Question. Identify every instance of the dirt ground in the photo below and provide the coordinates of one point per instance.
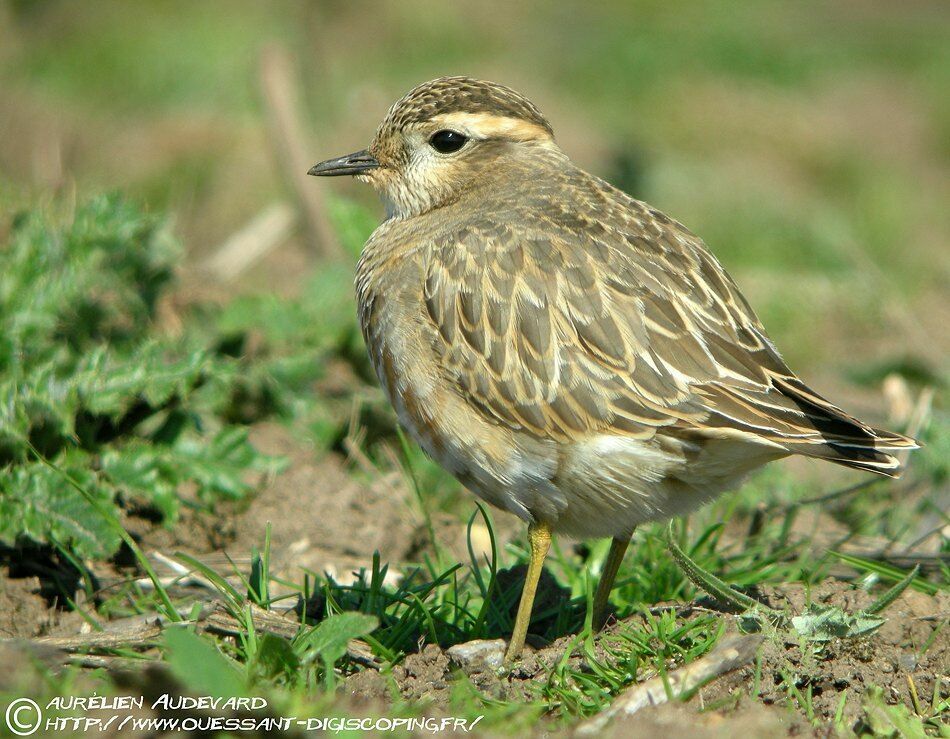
(316, 499)
(891, 660)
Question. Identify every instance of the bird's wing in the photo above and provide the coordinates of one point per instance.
(625, 324)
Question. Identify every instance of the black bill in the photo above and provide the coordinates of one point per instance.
(356, 163)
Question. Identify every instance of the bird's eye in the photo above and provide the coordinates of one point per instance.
(445, 142)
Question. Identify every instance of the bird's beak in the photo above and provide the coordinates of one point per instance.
(359, 162)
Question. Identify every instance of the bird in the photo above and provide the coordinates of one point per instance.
(570, 354)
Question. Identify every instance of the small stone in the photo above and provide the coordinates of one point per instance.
(477, 655)
(907, 662)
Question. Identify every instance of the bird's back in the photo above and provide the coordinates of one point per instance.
(558, 307)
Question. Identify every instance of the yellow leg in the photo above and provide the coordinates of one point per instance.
(618, 548)
(539, 539)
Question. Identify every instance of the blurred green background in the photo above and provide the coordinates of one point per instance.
(807, 142)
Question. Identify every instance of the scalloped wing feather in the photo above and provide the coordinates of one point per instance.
(614, 318)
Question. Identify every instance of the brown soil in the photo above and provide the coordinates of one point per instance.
(327, 518)
(26, 611)
(911, 648)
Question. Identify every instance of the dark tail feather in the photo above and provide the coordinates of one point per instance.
(870, 456)
(841, 438)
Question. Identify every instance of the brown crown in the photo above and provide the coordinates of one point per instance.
(461, 95)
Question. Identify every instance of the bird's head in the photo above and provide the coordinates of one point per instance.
(443, 138)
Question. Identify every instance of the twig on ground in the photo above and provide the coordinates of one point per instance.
(261, 235)
(839, 493)
(729, 655)
(918, 418)
(135, 632)
(221, 621)
(142, 632)
(182, 576)
(932, 526)
(279, 87)
(107, 662)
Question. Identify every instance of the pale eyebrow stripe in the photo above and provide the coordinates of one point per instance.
(488, 125)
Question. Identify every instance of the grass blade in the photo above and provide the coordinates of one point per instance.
(893, 594)
(709, 582)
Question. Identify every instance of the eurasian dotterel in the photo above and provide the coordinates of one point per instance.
(572, 355)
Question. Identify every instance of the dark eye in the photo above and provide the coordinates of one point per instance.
(445, 142)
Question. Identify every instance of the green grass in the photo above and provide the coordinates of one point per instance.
(90, 393)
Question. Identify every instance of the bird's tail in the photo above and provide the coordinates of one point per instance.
(841, 438)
